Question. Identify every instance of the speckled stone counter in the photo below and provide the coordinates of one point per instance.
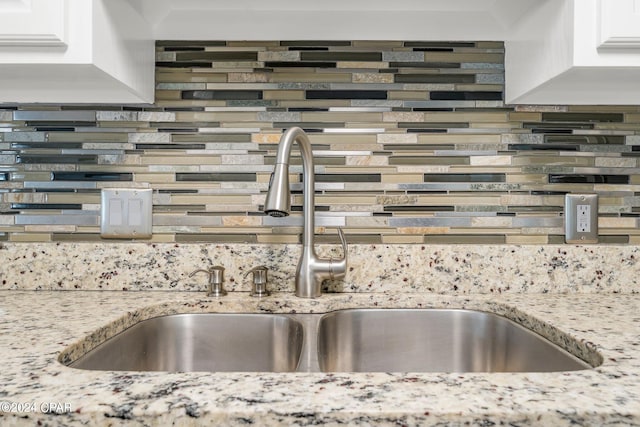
(441, 269)
(37, 326)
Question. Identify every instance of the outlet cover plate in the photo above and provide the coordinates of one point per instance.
(126, 213)
(581, 218)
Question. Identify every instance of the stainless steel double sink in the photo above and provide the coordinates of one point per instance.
(353, 340)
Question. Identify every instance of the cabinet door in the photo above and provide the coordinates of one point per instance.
(33, 23)
(619, 24)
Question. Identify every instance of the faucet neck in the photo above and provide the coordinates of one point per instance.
(296, 134)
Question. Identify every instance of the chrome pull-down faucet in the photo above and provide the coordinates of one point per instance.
(312, 270)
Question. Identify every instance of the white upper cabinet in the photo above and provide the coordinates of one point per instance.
(576, 52)
(33, 23)
(102, 51)
(74, 51)
(619, 24)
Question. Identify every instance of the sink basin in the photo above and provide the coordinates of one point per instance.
(352, 340)
(201, 342)
(434, 340)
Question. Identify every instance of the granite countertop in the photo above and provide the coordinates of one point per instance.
(38, 325)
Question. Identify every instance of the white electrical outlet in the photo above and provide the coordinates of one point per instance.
(126, 213)
(581, 218)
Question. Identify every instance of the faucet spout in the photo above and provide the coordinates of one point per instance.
(312, 270)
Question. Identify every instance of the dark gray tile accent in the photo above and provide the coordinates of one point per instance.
(56, 159)
(217, 56)
(585, 139)
(588, 179)
(465, 95)
(465, 177)
(46, 206)
(341, 56)
(293, 64)
(438, 44)
(91, 176)
(216, 238)
(199, 64)
(346, 94)
(435, 78)
(222, 94)
(314, 43)
(190, 43)
(583, 117)
(212, 177)
(432, 125)
(45, 145)
(370, 177)
(170, 146)
(544, 147)
(429, 65)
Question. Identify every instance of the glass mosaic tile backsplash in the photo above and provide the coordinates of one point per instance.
(412, 142)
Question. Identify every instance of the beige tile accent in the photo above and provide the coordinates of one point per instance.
(403, 199)
(480, 87)
(367, 160)
(632, 118)
(87, 137)
(408, 95)
(525, 200)
(616, 162)
(154, 178)
(278, 238)
(525, 116)
(351, 198)
(341, 116)
(168, 95)
(241, 221)
(373, 224)
(372, 78)
(50, 228)
(526, 240)
(396, 116)
(283, 94)
(401, 239)
(307, 75)
(266, 138)
(492, 222)
(402, 178)
(460, 199)
(458, 139)
(83, 198)
(208, 199)
(609, 222)
(423, 230)
(362, 65)
(284, 55)
(216, 116)
(397, 138)
(17, 236)
(177, 160)
(165, 77)
(490, 160)
(337, 139)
